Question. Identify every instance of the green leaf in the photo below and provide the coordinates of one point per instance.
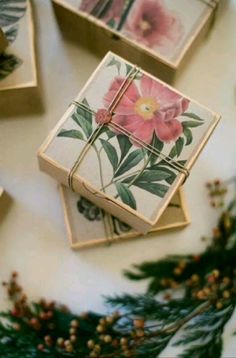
(85, 113)
(109, 133)
(179, 146)
(85, 102)
(111, 153)
(193, 116)
(128, 68)
(173, 152)
(11, 33)
(157, 144)
(11, 11)
(153, 175)
(131, 161)
(124, 144)
(171, 174)
(182, 162)
(191, 124)
(71, 133)
(84, 124)
(8, 64)
(111, 23)
(154, 188)
(188, 135)
(149, 176)
(115, 62)
(126, 195)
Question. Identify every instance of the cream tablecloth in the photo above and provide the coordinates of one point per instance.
(32, 232)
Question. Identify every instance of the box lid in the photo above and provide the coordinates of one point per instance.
(163, 29)
(17, 62)
(164, 132)
(88, 225)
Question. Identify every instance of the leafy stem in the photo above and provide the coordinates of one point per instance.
(137, 172)
(100, 166)
(140, 172)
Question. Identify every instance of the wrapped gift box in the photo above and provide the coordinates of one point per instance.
(159, 35)
(127, 140)
(88, 225)
(17, 62)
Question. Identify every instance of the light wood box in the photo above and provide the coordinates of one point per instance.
(58, 153)
(23, 48)
(195, 18)
(83, 233)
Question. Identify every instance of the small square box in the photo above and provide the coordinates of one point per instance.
(89, 226)
(127, 142)
(158, 35)
(18, 60)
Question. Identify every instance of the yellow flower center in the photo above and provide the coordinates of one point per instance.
(144, 25)
(145, 107)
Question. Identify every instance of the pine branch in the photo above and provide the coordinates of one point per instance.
(189, 300)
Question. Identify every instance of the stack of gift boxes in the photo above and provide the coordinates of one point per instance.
(126, 145)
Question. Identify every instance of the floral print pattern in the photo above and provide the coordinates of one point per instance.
(149, 110)
(152, 109)
(150, 23)
(108, 12)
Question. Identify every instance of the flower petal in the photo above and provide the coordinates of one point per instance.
(175, 110)
(168, 131)
(152, 24)
(160, 92)
(145, 132)
(130, 123)
(126, 104)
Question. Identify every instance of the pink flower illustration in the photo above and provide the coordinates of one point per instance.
(113, 13)
(152, 109)
(150, 23)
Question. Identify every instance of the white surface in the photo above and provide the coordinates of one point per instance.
(32, 234)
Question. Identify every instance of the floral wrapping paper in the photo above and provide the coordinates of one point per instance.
(88, 225)
(17, 62)
(115, 165)
(164, 27)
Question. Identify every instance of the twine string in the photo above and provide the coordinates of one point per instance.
(123, 88)
(107, 228)
(94, 135)
(178, 166)
(115, 101)
(84, 151)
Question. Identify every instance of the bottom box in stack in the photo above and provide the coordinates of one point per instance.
(87, 225)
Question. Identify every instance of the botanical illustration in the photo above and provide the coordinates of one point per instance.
(155, 115)
(11, 11)
(149, 22)
(93, 213)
